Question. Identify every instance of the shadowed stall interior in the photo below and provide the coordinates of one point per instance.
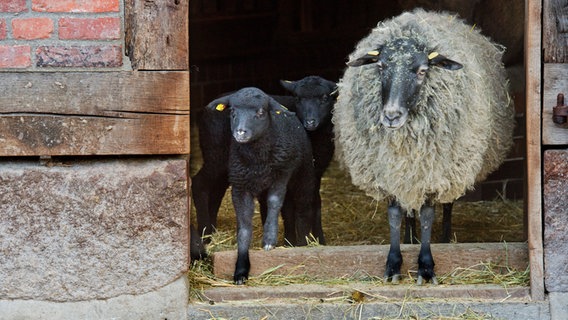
(238, 43)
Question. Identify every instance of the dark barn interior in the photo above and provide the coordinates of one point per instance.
(238, 43)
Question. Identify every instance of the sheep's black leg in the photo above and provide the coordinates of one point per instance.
(425, 259)
(447, 222)
(394, 259)
(244, 210)
(410, 227)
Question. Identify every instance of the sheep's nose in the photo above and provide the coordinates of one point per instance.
(311, 122)
(241, 132)
(392, 115)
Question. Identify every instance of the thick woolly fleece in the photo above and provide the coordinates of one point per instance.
(460, 131)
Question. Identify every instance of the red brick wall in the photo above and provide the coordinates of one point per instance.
(41, 35)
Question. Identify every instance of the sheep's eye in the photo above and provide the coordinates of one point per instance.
(260, 113)
(380, 66)
(324, 97)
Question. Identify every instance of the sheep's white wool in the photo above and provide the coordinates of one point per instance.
(460, 131)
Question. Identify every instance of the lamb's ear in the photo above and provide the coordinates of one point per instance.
(288, 85)
(370, 57)
(332, 86)
(219, 104)
(278, 108)
(438, 60)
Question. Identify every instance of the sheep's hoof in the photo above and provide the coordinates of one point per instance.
(394, 279)
(240, 280)
(268, 247)
(420, 281)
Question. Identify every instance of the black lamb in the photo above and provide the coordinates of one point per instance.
(312, 100)
(269, 156)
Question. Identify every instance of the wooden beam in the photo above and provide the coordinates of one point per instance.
(329, 262)
(555, 31)
(94, 113)
(157, 34)
(533, 33)
(554, 82)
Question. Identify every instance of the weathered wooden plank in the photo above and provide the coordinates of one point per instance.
(533, 33)
(98, 113)
(328, 262)
(555, 31)
(157, 34)
(554, 82)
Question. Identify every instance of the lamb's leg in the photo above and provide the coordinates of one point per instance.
(244, 210)
(208, 188)
(394, 260)
(317, 229)
(274, 200)
(425, 259)
(447, 222)
(289, 220)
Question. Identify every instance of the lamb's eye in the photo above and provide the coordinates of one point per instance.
(260, 113)
(324, 98)
(381, 66)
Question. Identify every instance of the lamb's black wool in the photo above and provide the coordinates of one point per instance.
(312, 99)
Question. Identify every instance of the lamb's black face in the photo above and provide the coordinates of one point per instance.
(402, 66)
(249, 117)
(315, 97)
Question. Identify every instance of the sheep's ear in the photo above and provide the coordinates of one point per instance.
(370, 57)
(278, 108)
(438, 60)
(288, 85)
(218, 104)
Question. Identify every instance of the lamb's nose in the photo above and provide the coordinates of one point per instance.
(241, 132)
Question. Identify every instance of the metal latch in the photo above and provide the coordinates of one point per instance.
(560, 112)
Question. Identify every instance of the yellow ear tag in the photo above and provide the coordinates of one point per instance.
(220, 107)
(278, 112)
(433, 55)
(373, 53)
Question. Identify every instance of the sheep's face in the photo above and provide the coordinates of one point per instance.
(315, 97)
(402, 66)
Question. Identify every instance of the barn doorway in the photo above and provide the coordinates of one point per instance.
(238, 43)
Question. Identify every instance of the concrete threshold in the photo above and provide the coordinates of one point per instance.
(365, 301)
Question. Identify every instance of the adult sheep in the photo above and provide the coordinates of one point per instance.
(270, 158)
(423, 113)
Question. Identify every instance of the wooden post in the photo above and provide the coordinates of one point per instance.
(533, 32)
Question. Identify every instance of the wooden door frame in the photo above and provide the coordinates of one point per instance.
(533, 75)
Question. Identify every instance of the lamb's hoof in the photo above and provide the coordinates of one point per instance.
(268, 247)
(420, 281)
(394, 279)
